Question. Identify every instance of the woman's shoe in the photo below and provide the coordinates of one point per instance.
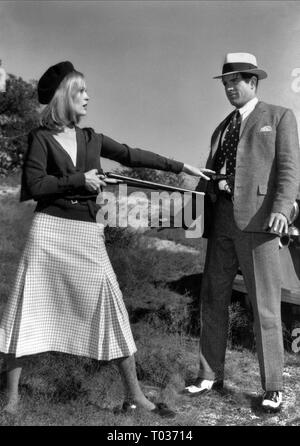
(163, 411)
(160, 409)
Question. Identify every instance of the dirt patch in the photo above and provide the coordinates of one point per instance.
(9, 190)
(167, 245)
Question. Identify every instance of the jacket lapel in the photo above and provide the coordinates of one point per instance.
(253, 118)
(215, 140)
(81, 150)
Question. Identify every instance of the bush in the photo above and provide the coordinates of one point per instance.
(119, 237)
(159, 357)
(18, 115)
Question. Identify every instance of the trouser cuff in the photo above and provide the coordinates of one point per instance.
(274, 385)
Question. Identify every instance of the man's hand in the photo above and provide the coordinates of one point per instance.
(223, 185)
(198, 172)
(93, 181)
(278, 223)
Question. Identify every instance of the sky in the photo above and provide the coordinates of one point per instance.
(149, 65)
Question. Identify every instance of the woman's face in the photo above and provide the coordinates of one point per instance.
(80, 101)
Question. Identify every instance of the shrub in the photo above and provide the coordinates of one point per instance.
(119, 237)
(159, 356)
(18, 115)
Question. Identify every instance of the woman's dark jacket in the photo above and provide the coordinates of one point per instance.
(50, 177)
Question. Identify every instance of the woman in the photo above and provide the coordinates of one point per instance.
(66, 297)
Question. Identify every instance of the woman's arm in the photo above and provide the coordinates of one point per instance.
(143, 158)
(130, 157)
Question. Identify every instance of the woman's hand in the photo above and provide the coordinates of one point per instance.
(93, 181)
(196, 171)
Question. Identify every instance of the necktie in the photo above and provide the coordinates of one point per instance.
(227, 151)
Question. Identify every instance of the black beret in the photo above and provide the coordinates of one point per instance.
(51, 79)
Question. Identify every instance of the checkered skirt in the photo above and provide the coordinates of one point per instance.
(66, 296)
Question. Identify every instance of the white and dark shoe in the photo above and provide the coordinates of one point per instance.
(202, 386)
(272, 401)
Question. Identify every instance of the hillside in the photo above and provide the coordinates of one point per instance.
(60, 389)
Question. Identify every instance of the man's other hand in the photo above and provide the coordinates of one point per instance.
(278, 223)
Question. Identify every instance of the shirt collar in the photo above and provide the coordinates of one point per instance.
(248, 107)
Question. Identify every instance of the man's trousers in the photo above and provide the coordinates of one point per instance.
(257, 255)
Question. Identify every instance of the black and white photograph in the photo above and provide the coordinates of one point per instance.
(149, 215)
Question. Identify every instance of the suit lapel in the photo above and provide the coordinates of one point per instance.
(253, 118)
(215, 140)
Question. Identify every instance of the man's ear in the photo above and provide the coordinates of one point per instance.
(253, 82)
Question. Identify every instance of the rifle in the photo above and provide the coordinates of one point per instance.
(148, 184)
(191, 210)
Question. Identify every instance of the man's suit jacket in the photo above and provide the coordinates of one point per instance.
(267, 172)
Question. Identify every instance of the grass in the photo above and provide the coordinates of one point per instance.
(10, 180)
(59, 389)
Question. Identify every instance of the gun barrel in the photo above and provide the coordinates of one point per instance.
(149, 184)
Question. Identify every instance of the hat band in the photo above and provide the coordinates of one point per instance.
(237, 66)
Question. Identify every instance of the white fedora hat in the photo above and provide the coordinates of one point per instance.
(241, 63)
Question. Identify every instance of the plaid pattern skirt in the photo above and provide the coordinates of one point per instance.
(66, 296)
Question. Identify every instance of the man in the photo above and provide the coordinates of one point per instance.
(257, 147)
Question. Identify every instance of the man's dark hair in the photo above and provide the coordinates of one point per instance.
(248, 76)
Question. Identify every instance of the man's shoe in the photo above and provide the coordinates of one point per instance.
(203, 386)
(272, 401)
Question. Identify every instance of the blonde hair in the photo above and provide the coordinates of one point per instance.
(60, 110)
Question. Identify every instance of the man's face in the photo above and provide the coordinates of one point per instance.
(238, 90)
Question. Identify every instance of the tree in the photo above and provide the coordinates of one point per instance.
(18, 115)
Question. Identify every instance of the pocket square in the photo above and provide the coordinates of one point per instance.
(266, 128)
